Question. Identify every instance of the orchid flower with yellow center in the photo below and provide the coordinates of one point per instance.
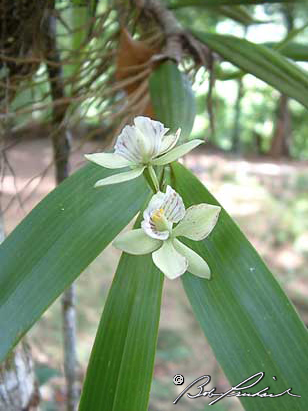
(158, 236)
(145, 144)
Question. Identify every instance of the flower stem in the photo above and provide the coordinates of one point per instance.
(153, 177)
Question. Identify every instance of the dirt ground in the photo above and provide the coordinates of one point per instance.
(267, 199)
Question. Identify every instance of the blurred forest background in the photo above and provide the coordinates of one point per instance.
(72, 74)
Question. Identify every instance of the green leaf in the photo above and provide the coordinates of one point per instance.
(292, 50)
(246, 317)
(237, 13)
(121, 366)
(174, 4)
(268, 65)
(56, 242)
(173, 99)
(290, 36)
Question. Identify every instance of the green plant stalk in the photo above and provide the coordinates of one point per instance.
(153, 178)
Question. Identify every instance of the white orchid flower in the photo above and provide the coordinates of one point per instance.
(158, 236)
(145, 144)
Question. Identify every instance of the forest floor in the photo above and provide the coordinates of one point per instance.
(268, 199)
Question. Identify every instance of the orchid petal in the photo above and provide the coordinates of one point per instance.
(150, 128)
(149, 134)
(109, 160)
(169, 261)
(120, 178)
(136, 242)
(173, 206)
(169, 141)
(196, 264)
(198, 222)
(176, 153)
(128, 145)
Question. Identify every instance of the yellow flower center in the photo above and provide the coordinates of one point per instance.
(160, 221)
(158, 215)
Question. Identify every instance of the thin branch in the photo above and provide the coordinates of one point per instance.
(61, 152)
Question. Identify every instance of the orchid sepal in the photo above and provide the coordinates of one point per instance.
(121, 177)
(198, 222)
(196, 265)
(109, 160)
(176, 153)
(136, 242)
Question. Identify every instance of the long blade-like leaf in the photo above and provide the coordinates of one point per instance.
(56, 242)
(237, 13)
(292, 50)
(122, 360)
(173, 99)
(246, 317)
(174, 4)
(264, 63)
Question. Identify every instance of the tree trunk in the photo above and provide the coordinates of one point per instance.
(236, 132)
(18, 387)
(282, 134)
